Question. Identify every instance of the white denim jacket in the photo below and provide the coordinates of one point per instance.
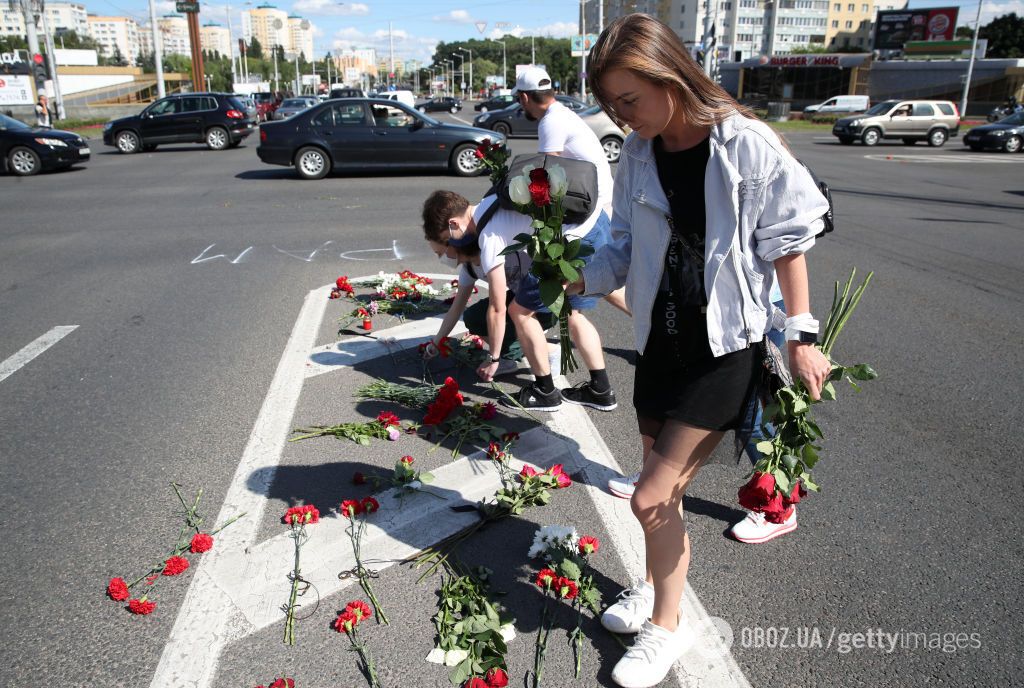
(761, 205)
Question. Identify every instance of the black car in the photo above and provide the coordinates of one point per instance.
(1007, 134)
(26, 150)
(365, 133)
(218, 119)
(346, 93)
(495, 103)
(446, 104)
(512, 121)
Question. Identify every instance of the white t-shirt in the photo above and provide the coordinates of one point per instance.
(563, 131)
(501, 230)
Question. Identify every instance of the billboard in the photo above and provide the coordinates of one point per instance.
(894, 28)
(581, 44)
(15, 79)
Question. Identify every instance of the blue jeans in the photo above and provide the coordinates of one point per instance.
(752, 416)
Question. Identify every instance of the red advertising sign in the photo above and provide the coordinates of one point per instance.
(894, 28)
(804, 61)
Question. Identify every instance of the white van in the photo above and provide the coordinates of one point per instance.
(839, 104)
(403, 97)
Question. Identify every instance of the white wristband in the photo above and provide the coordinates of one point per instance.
(802, 327)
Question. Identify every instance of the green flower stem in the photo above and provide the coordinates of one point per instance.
(541, 648)
(179, 549)
(289, 625)
(355, 535)
(364, 655)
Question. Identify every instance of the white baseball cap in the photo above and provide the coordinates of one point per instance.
(532, 79)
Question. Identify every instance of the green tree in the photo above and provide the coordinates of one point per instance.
(1005, 36)
(964, 32)
(255, 50)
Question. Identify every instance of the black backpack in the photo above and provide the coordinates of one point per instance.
(580, 198)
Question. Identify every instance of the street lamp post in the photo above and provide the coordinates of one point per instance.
(504, 62)
(462, 70)
(470, 69)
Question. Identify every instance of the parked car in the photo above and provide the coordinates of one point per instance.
(610, 134)
(291, 106)
(367, 133)
(266, 103)
(1007, 134)
(217, 119)
(838, 104)
(247, 101)
(512, 121)
(26, 150)
(404, 97)
(446, 104)
(495, 103)
(933, 121)
(346, 93)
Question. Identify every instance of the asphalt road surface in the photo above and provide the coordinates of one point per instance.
(183, 272)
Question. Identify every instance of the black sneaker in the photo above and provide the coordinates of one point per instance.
(584, 395)
(532, 399)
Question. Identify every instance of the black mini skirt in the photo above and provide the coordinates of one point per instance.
(678, 377)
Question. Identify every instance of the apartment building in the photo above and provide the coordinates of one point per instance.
(365, 60)
(173, 29)
(61, 16)
(850, 24)
(215, 38)
(268, 25)
(116, 34)
(300, 35)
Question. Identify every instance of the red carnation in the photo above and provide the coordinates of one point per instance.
(488, 411)
(496, 678)
(360, 609)
(757, 492)
(282, 683)
(301, 515)
(201, 542)
(545, 578)
(494, 452)
(117, 589)
(345, 622)
(351, 508)
(407, 460)
(175, 565)
(387, 419)
(475, 682)
(588, 545)
(566, 588)
(141, 606)
(370, 505)
(341, 282)
(358, 478)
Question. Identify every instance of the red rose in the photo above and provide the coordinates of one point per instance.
(494, 452)
(370, 505)
(282, 683)
(141, 606)
(588, 545)
(795, 495)
(540, 192)
(775, 511)
(510, 437)
(387, 419)
(566, 588)
(486, 143)
(407, 460)
(527, 472)
(175, 565)
(345, 622)
(201, 542)
(756, 493)
(545, 578)
(351, 508)
(475, 682)
(360, 609)
(358, 478)
(562, 479)
(300, 515)
(496, 678)
(117, 589)
(538, 174)
(479, 153)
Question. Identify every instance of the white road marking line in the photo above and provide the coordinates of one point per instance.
(309, 257)
(974, 158)
(462, 120)
(33, 349)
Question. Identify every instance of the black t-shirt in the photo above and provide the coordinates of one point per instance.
(681, 174)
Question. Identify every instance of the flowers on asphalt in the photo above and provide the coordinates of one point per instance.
(347, 622)
(386, 426)
(356, 511)
(297, 518)
(175, 565)
(201, 542)
(141, 606)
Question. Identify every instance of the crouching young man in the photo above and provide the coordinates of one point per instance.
(481, 232)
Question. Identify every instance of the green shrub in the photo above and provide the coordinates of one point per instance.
(829, 118)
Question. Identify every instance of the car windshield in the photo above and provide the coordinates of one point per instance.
(1013, 119)
(882, 108)
(9, 123)
(295, 102)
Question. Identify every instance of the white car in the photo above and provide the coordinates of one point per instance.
(608, 132)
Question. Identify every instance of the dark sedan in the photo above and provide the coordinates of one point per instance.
(447, 104)
(1007, 134)
(512, 121)
(495, 103)
(26, 150)
(362, 133)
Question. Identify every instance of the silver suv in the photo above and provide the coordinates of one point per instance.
(933, 121)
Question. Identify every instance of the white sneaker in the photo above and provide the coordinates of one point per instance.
(623, 486)
(755, 528)
(652, 655)
(632, 610)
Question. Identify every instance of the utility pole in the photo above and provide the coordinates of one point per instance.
(583, 54)
(28, 10)
(52, 62)
(504, 63)
(391, 44)
(533, 51)
(470, 69)
(231, 45)
(970, 65)
(277, 74)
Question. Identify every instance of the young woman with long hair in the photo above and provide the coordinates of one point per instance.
(708, 205)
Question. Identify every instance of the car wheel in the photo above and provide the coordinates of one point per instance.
(937, 137)
(846, 140)
(871, 137)
(483, 109)
(464, 161)
(909, 142)
(454, 110)
(1012, 144)
(148, 147)
(423, 110)
(312, 163)
(502, 128)
(128, 142)
(612, 148)
(24, 162)
(217, 138)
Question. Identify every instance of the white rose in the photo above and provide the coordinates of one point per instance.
(454, 657)
(436, 656)
(508, 632)
(519, 190)
(559, 182)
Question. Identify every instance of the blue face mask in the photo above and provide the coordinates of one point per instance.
(467, 239)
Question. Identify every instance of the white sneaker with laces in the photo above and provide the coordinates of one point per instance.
(755, 528)
(629, 613)
(652, 655)
(623, 486)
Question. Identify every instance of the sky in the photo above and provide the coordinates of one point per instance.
(417, 26)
